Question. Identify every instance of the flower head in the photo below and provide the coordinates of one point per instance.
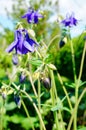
(32, 16)
(22, 43)
(69, 21)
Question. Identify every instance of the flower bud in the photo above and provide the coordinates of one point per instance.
(17, 100)
(4, 95)
(61, 43)
(22, 77)
(46, 83)
(15, 59)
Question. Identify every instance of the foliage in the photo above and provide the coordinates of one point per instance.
(45, 89)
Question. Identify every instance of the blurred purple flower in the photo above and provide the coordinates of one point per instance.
(17, 100)
(22, 43)
(32, 16)
(69, 21)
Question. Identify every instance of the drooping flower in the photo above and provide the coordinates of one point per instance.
(32, 16)
(69, 21)
(22, 43)
(17, 100)
(62, 42)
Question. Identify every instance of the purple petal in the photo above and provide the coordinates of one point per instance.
(24, 16)
(28, 46)
(11, 47)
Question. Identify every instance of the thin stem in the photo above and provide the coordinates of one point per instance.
(33, 87)
(74, 72)
(53, 97)
(79, 77)
(82, 62)
(65, 91)
(76, 106)
(73, 60)
(56, 36)
(25, 108)
(39, 100)
(39, 115)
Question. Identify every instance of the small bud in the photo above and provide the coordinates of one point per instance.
(22, 78)
(46, 83)
(15, 59)
(4, 95)
(61, 43)
(17, 100)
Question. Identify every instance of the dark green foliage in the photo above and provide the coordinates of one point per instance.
(63, 59)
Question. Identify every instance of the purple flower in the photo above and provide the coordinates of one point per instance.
(69, 21)
(32, 16)
(17, 100)
(22, 43)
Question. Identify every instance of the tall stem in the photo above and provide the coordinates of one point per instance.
(73, 60)
(53, 97)
(65, 91)
(74, 111)
(37, 110)
(74, 72)
(34, 105)
(25, 108)
(39, 101)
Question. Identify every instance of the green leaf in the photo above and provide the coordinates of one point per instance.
(52, 66)
(35, 61)
(58, 106)
(83, 128)
(10, 106)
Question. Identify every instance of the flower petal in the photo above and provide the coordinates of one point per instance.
(11, 47)
(28, 46)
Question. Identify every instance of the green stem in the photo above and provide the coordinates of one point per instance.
(53, 97)
(74, 111)
(25, 108)
(74, 72)
(73, 60)
(82, 62)
(78, 82)
(39, 101)
(56, 36)
(55, 91)
(33, 87)
(65, 91)
(31, 100)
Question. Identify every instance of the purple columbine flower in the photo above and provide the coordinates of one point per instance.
(22, 43)
(69, 21)
(32, 16)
